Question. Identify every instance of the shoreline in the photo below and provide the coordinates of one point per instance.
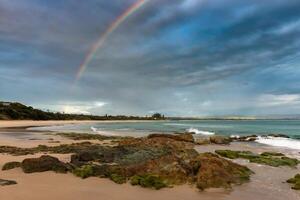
(267, 183)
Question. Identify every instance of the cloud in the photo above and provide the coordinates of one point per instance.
(73, 107)
(223, 56)
(279, 100)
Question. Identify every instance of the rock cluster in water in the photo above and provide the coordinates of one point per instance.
(156, 161)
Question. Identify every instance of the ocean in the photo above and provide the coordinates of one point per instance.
(290, 128)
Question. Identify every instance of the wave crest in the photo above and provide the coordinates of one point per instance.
(279, 142)
(197, 131)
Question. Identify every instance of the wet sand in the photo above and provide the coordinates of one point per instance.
(268, 183)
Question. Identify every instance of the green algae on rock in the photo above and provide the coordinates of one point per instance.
(154, 162)
(42, 164)
(11, 165)
(148, 181)
(267, 158)
(217, 172)
(88, 136)
(295, 182)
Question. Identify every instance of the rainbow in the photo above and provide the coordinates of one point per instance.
(98, 44)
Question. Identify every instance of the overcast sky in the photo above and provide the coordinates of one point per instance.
(178, 57)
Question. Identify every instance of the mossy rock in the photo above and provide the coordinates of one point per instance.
(117, 178)
(84, 171)
(275, 161)
(295, 182)
(148, 181)
(271, 154)
(217, 172)
(11, 165)
(236, 154)
(267, 158)
(88, 136)
(42, 164)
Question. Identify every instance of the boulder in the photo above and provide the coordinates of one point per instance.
(216, 172)
(219, 139)
(42, 164)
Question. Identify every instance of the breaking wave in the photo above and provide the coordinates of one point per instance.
(279, 142)
(194, 130)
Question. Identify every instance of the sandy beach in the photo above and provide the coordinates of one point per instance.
(31, 123)
(268, 183)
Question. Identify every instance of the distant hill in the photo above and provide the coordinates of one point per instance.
(18, 111)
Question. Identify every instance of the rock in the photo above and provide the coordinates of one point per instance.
(11, 165)
(267, 158)
(220, 140)
(278, 135)
(156, 161)
(185, 137)
(7, 182)
(272, 154)
(295, 182)
(216, 172)
(148, 181)
(248, 138)
(202, 141)
(42, 164)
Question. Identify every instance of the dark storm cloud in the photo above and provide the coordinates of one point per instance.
(181, 57)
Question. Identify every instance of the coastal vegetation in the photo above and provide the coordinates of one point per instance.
(267, 158)
(155, 162)
(18, 111)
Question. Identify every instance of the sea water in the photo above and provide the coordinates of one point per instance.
(290, 128)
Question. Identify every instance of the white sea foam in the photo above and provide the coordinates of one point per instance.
(279, 142)
(194, 130)
(93, 129)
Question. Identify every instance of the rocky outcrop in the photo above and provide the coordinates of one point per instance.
(42, 164)
(267, 158)
(156, 161)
